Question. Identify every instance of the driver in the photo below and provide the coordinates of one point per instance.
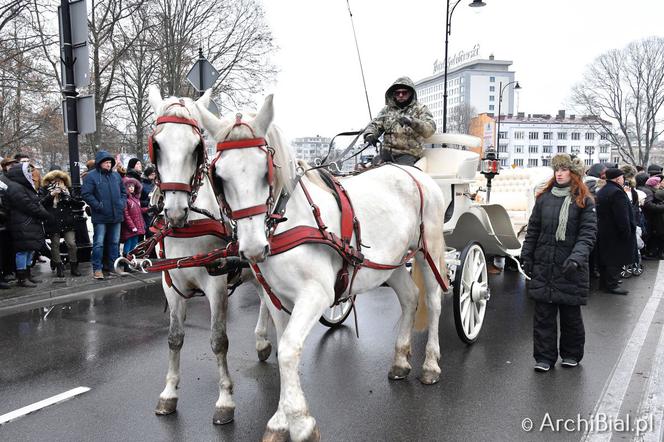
(404, 123)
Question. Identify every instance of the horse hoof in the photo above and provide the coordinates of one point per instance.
(264, 353)
(398, 373)
(166, 406)
(314, 436)
(275, 436)
(223, 415)
(429, 377)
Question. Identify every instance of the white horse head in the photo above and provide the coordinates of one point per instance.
(174, 152)
(244, 173)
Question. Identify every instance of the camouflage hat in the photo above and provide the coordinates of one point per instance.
(565, 161)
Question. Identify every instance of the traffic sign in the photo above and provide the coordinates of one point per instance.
(79, 35)
(202, 75)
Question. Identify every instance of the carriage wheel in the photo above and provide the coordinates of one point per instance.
(337, 314)
(471, 292)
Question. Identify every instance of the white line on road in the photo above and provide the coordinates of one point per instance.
(652, 404)
(614, 391)
(42, 404)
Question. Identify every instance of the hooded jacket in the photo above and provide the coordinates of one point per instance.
(397, 138)
(61, 207)
(104, 192)
(133, 214)
(26, 213)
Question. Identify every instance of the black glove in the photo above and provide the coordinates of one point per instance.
(570, 267)
(527, 267)
(371, 139)
(153, 211)
(405, 121)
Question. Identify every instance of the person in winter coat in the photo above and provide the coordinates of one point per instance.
(657, 227)
(133, 225)
(57, 199)
(103, 191)
(25, 221)
(651, 209)
(594, 178)
(5, 266)
(134, 169)
(616, 237)
(148, 183)
(404, 123)
(561, 233)
(654, 169)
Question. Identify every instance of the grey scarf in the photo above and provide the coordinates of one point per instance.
(562, 192)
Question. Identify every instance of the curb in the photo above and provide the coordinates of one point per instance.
(56, 296)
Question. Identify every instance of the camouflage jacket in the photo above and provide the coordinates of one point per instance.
(396, 137)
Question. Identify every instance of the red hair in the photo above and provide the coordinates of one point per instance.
(578, 189)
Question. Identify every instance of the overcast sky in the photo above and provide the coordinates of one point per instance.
(318, 90)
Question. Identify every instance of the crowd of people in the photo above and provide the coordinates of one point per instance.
(34, 209)
(598, 224)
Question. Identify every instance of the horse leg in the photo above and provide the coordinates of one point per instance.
(263, 344)
(217, 293)
(168, 399)
(406, 291)
(301, 425)
(430, 368)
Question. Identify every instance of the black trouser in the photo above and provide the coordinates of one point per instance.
(545, 332)
(609, 276)
(391, 157)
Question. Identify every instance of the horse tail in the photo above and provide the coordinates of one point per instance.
(422, 312)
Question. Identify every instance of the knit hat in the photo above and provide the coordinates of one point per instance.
(613, 172)
(565, 161)
(132, 162)
(149, 171)
(653, 181)
(654, 169)
(629, 171)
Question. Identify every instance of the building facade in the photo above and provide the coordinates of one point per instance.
(311, 148)
(531, 140)
(471, 86)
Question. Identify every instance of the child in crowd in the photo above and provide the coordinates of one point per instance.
(133, 226)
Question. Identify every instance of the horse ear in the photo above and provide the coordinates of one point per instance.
(154, 98)
(204, 101)
(209, 121)
(264, 118)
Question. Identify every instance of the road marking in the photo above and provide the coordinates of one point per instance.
(652, 404)
(614, 391)
(42, 404)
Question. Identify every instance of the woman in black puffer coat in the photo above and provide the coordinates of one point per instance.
(25, 220)
(561, 233)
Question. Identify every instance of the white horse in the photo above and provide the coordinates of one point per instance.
(175, 146)
(387, 204)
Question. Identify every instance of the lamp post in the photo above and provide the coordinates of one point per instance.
(500, 102)
(448, 31)
(490, 167)
(590, 151)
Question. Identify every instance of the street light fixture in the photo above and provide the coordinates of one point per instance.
(500, 102)
(448, 31)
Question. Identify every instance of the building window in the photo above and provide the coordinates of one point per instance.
(533, 149)
(502, 148)
(576, 135)
(492, 98)
(545, 161)
(518, 149)
(492, 79)
(518, 162)
(562, 149)
(548, 135)
(546, 149)
(503, 162)
(532, 162)
(562, 135)
(590, 136)
(491, 106)
(492, 88)
(604, 136)
(589, 162)
(533, 135)
(502, 135)
(575, 150)
(518, 135)
(603, 149)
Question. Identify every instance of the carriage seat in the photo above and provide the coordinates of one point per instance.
(457, 166)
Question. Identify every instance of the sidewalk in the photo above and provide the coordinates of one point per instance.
(53, 291)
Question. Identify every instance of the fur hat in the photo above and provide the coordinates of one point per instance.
(629, 171)
(565, 161)
(56, 175)
(90, 164)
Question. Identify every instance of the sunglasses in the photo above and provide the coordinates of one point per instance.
(401, 92)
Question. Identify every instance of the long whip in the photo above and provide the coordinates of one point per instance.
(359, 57)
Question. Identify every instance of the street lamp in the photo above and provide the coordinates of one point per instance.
(590, 151)
(500, 101)
(448, 31)
(490, 167)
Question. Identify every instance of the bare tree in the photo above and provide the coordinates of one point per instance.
(624, 91)
(460, 121)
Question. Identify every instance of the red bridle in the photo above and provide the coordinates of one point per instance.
(197, 178)
(258, 143)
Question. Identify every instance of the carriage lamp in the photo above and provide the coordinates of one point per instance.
(490, 167)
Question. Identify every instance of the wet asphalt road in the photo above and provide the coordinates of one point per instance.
(116, 345)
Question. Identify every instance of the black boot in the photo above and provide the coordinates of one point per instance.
(4, 285)
(33, 279)
(22, 278)
(60, 269)
(74, 269)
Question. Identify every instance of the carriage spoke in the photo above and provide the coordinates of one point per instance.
(464, 296)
